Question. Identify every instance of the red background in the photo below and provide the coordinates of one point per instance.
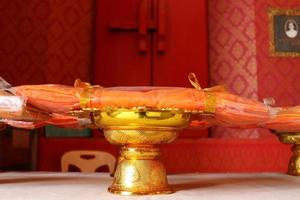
(46, 41)
(52, 41)
(232, 48)
(240, 58)
(278, 77)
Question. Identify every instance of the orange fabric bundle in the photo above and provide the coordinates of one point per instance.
(61, 99)
(239, 112)
(63, 121)
(226, 109)
(287, 119)
(149, 97)
(230, 110)
(50, 98)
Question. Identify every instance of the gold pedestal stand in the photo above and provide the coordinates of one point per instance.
(140, 172)
(294, 164)
(139, 132)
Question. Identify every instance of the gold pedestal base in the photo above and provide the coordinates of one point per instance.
(140, 172)
(139, 131)
(294, 164)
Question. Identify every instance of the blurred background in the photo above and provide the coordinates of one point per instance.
(148, 42)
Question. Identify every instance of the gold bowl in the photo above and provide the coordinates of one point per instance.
(139, 132)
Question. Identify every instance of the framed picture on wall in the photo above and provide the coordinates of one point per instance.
(284, 28)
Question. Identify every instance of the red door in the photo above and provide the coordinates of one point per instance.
(180, 46)
(151, 42)
(121, 49)
(180, 43)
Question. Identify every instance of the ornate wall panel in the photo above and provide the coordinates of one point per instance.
(232, 52)
(278, 77)
(45, 41)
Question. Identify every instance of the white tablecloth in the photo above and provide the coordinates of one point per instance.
(77, 186)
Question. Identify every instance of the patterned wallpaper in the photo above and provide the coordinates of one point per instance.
(232, 46)
(50, 41)
(278, 77)
(240, 58)
(46, 41)
(232, 51)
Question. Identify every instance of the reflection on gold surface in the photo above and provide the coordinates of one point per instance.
(140, 172)
(148, 119)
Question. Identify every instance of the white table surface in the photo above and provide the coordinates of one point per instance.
(75, 186)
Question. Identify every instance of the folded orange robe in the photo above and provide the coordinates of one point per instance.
(50, 98)
(227, 109)
(62, 99)
(63, 121)
(286, 120)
